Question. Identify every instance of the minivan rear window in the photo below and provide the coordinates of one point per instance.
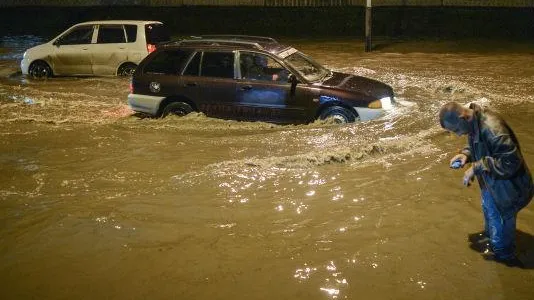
(156, 33)
(131, 33)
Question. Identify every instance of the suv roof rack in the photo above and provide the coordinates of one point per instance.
(217, 42)
(237, 37)
(251, 41)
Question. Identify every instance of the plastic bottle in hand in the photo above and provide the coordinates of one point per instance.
(456, 164)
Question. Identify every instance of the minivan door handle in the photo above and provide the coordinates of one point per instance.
(189, 84)
(246, 87)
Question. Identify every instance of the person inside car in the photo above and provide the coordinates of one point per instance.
(257, 67)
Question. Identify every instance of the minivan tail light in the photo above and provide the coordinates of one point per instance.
(150, 48)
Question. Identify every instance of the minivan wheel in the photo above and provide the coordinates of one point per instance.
(39, 70)
(176, 108)
(126, 69)
(338, 115)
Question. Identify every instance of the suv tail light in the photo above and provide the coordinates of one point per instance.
(150, 48)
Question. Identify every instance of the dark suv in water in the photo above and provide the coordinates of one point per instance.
(251, 78)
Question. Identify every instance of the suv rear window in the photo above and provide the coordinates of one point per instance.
(217, 64)
(156, 33)
(167, 62)
(194, 65)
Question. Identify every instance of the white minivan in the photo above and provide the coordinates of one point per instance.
(95, 48)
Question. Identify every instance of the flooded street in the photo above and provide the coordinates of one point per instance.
(98, 203)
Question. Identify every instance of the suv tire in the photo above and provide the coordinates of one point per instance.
(126, 69)
(40, 70)
(339, 115)
(176, 108)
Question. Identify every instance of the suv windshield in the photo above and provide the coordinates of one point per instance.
(307, 67)
(156, 33)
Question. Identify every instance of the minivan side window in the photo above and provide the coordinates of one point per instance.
(193, 66)
(217, 64)
(131, 33)
(169, 62)
(111, 34)
(78, 36)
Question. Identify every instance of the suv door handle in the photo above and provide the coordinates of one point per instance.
(190, 84)
(246, 87)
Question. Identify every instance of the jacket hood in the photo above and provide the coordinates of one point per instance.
(364, 85)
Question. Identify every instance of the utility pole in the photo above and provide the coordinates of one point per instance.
(368, 26)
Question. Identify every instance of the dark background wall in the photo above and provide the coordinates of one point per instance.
(400, 21)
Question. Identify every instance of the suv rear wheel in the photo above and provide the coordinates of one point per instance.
(176, 108)
(339, 115)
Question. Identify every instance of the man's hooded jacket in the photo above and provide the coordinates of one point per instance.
(497, 161)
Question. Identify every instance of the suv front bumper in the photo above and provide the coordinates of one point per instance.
(367, 114)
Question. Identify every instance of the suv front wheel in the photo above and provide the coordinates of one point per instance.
(338, 115)
(176, 108)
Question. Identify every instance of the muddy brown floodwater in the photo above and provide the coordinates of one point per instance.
(96, 203)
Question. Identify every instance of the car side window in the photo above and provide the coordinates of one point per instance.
(131, 33)
(108, 34)
(217, 64)
(78, 36)
(193, 67)
(169, 62)
(257, 66)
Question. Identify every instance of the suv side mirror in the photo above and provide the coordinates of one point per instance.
(293, 80)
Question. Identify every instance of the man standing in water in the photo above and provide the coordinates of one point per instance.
(502, 174)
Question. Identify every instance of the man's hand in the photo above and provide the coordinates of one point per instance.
(469, 176)
(458, 161)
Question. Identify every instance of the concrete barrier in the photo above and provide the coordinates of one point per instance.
(268, 3)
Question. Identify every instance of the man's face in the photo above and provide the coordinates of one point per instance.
(456, 125)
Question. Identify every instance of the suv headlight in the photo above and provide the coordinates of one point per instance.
(384, 103)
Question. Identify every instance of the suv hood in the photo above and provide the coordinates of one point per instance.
(367, 86)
